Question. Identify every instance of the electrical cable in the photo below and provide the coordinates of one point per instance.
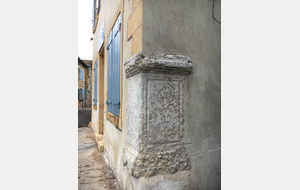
(213, 8)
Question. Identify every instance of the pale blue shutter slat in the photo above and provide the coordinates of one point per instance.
(95, 82)
(94, 85)
(116, 70)
(93, 14)
(79, 74)
(112, 71)
(113, 94)
(109, 89)
(83, 93)
(96, 91)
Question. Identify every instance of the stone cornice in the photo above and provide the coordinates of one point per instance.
(159, 63)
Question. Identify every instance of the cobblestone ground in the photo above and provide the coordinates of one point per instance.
(93, 171)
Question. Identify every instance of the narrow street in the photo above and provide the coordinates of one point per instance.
(84, 116)
(93, 171)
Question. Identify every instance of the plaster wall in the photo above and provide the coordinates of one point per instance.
(114, 139)
(188, 28)
(106, 14)
(94, 111)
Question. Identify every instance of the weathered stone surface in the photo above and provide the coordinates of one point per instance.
(160, 63)
(155, 125)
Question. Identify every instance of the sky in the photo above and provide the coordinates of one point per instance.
(85, 45)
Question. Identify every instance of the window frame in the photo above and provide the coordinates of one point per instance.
(96, 11)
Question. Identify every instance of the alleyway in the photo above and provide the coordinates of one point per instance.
(84, 116)
(93, 171)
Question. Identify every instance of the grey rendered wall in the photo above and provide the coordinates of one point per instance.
(188, 28)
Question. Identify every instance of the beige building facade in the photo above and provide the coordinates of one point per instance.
(156, 91)
(84, 83)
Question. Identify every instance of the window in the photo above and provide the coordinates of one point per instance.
(79, 93)
(113, 48)
(95, 82)
(83, 93)
(96, 10)
(93, 15)
(97, 6)
(82, 78)
(79, 74)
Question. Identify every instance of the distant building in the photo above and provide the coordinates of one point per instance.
(157, 91)
(84, 83)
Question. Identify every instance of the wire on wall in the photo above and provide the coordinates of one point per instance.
(213, 12)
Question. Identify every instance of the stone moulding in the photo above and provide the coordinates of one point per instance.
(154, 111)
(160, 63)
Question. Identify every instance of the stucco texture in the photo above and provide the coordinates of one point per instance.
(188, 28)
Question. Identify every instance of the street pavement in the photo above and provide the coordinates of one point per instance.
(84, 116)
(93, 171)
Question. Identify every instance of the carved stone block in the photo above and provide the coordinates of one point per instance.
(155, 125)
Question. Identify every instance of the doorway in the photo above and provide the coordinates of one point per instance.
(101, 91)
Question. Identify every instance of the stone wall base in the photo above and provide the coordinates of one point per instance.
(177, 181)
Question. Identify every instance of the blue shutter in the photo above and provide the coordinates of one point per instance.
(78, 93)
(113, 101)
(109, 88)
(116, 71)
(96, 97)
(95, 82)
(83, 93)
(79, 74)
(93, 14)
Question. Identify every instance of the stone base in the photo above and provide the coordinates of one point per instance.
(177, 181)
(154, 111)
(99, 140)
(167, 181)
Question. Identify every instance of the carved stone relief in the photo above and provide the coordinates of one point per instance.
(157, 145)
(163, 115)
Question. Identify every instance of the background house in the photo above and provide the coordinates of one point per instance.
(157, 91)
(84, 83)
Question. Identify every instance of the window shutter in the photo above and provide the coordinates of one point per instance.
(113, 101)
(109, 90)
(83, 93)
(78, 93)
(93, 14)
(116, 71)
(79, 74)
(95, 82)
